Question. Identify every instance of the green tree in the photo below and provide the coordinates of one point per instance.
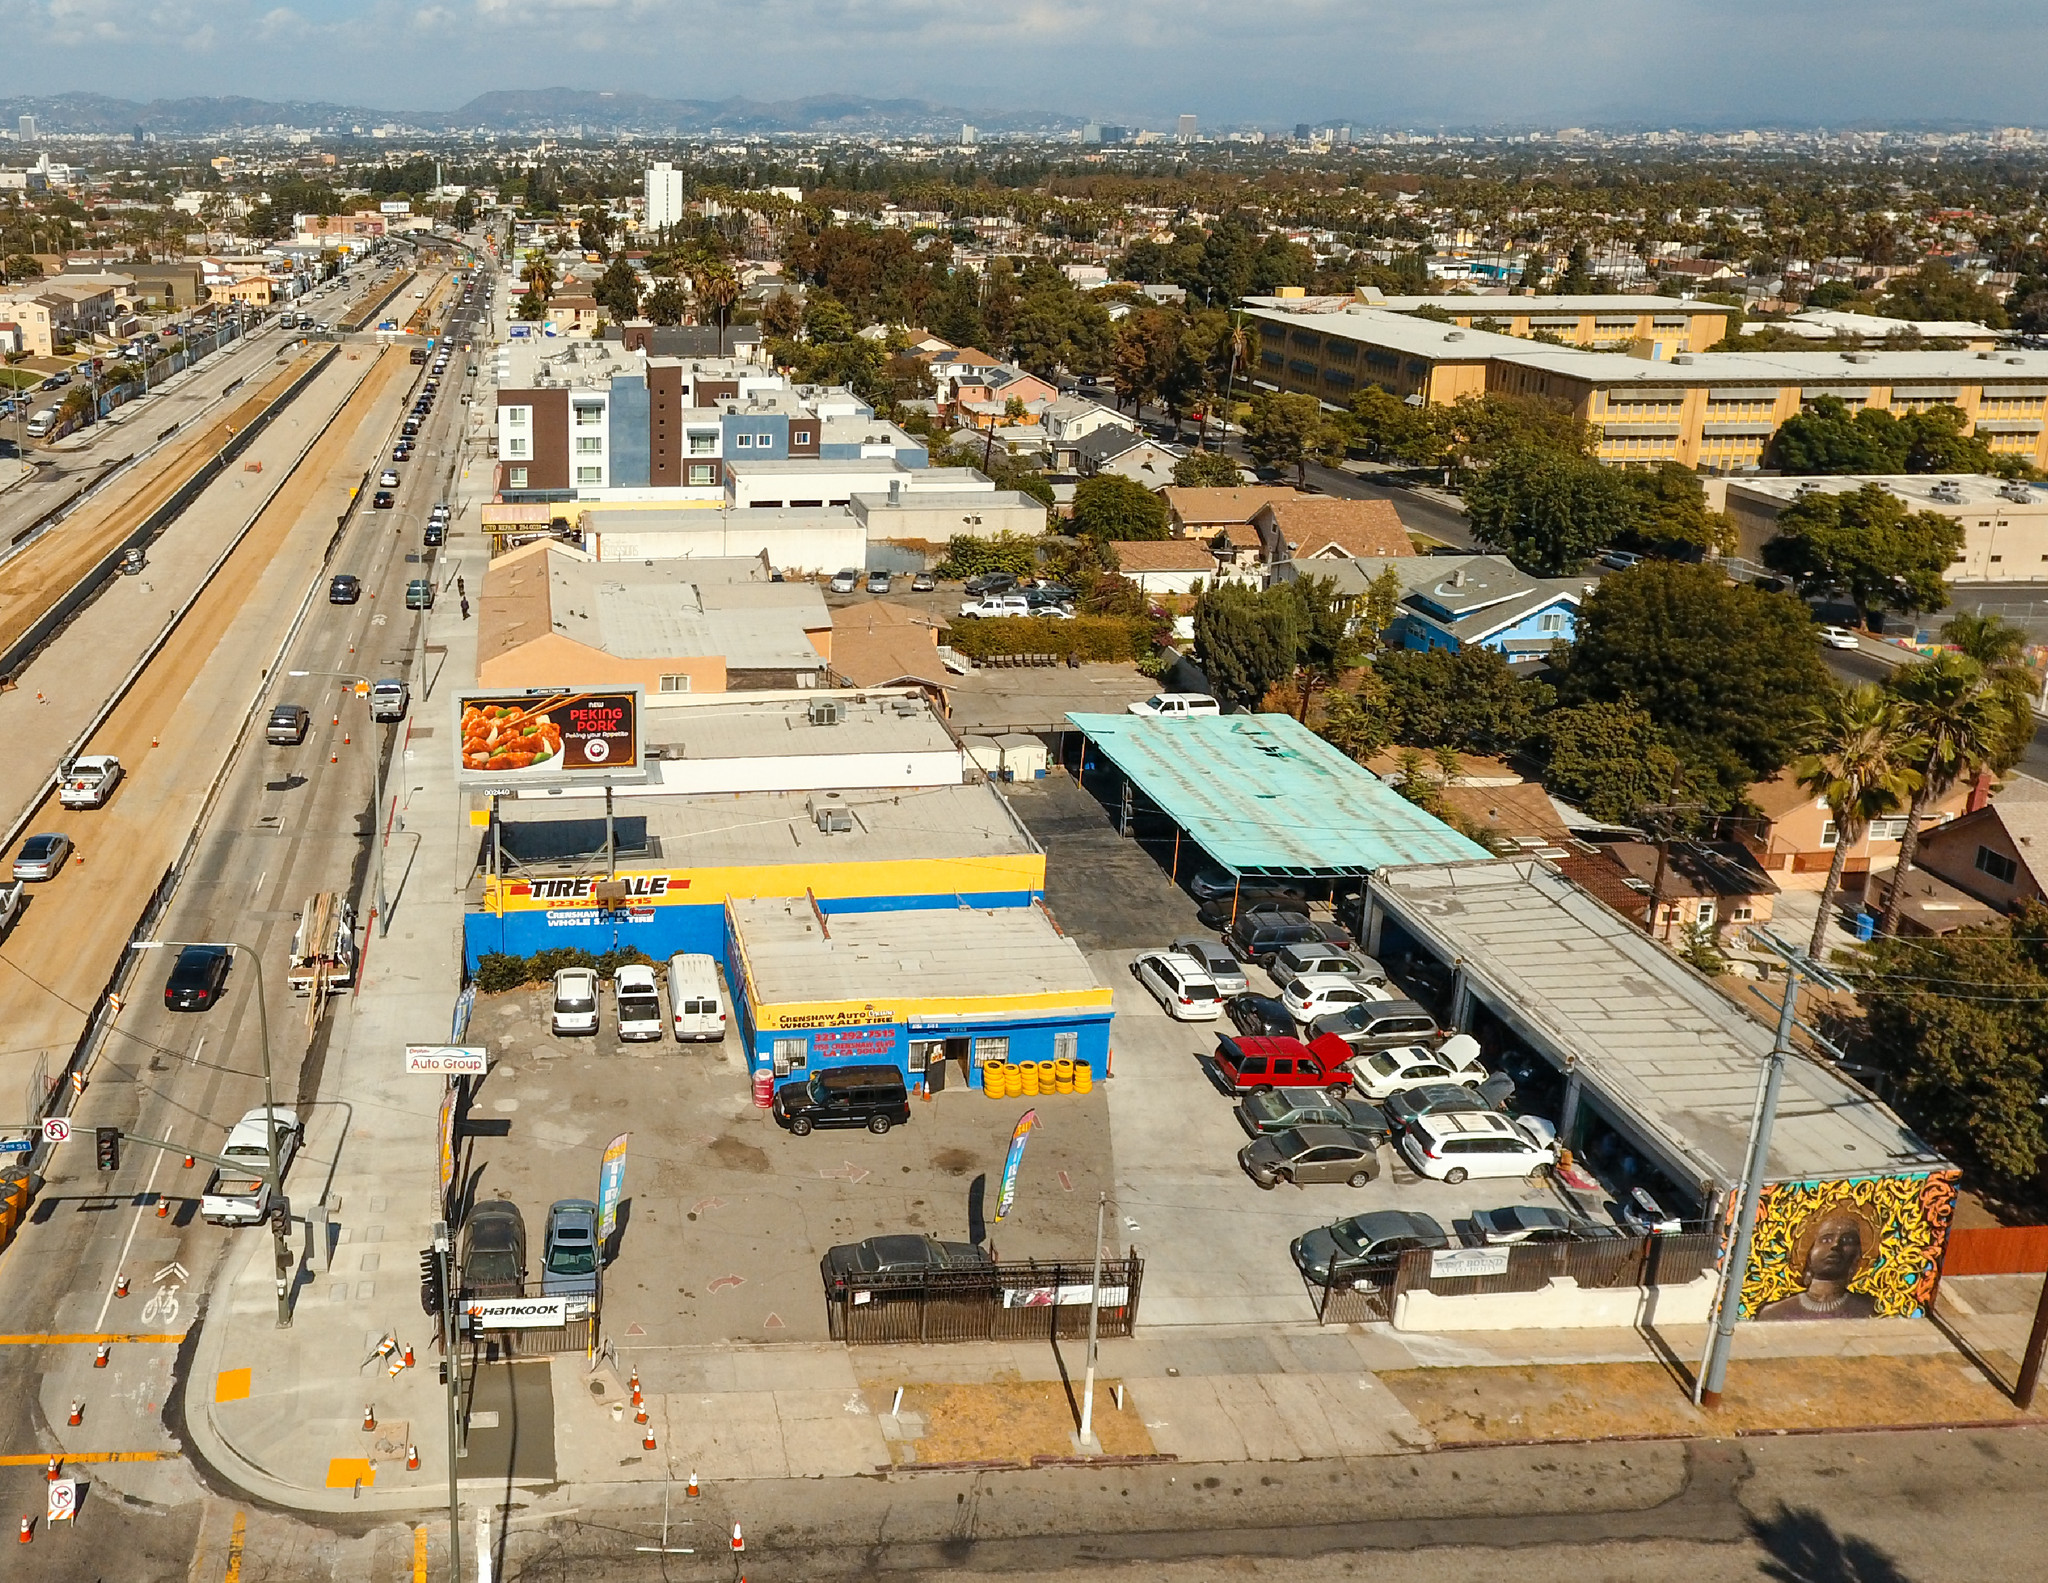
(1548, 510)
(464, 213)
(955, 312)
(782, 315)
(1936, 291)
(717, 288)
(1858, 759)
(1935, 443)
(1354, 720)
(666, 303)
(1326, 646)
(1143, 355)
(1607, 758)
(1728, 671)
(1576, 279)
(1110, 506)
(1968, 1067)
(1246, 641)
(1669, 515)
(618, 291)
(1058, 327)
(1288, 431)
(1469, 699)
(1828, 439)
(2000, 647)
(968, 555)
(1959, 719)
(1867, 543)
(1206, 470)
(533, 302)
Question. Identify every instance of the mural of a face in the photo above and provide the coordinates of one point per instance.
(1832, 1250)
(1853, 1248)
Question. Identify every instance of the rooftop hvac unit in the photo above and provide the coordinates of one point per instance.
(825, 712)
(835, 821)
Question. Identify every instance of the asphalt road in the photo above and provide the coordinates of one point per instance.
(288, 824)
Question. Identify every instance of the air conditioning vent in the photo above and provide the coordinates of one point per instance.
(825, 712)
(835, 821)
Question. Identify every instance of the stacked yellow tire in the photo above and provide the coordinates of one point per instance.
(1033, 1079)
(1084, 1078)
(992, 1078)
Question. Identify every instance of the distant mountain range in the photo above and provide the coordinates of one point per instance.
(522, 110)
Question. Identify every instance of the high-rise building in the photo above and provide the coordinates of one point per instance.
(27, 126)
(664, 196)
(1302, 131)
(1186, 132)
(1092, 132)
(1115, 134)
(967, 134)
(1343, 138)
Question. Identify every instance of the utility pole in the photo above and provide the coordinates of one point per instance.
(1086, 1442)
(1735, 1261)
(444, 1252)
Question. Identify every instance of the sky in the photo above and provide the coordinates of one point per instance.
(1374, 63)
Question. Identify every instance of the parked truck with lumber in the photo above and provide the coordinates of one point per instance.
(324, 947)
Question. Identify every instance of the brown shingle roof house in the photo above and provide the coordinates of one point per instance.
(1311, 527)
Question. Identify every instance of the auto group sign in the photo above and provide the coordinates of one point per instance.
(543, 736)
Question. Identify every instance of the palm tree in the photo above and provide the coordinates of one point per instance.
(1960, 720)
(1859, 759)
(717, 288)
(2000, 647)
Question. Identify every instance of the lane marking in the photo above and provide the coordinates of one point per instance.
(41, 1459)
(93, 1338)
(419, 1555)
(148, 1188)
(235, 1539)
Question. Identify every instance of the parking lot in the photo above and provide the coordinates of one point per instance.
(726, 1215)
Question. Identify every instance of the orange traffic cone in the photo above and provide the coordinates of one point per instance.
(27, 1530)
(634, 1382)
(77, 1414)
(639, 1412)
(99, 1358)
(692, 1488)
(50, 1472)
(163, 1208)
(412, 1457)
(739, 1541)
(408, 1357)
(121, 1287)
(647, 1440)
(188, 1162)
(344, 739)
(369, 1417)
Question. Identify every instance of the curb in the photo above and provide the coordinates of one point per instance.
(1676, 1437)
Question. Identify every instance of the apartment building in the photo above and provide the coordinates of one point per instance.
(665, 196)
(2004, 522)
(1605, 321)
(1714, 411)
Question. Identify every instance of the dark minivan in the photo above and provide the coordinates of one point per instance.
(873, 1097)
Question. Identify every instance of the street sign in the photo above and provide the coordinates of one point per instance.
(63, 1500)
(17, 1146)
(56, 1129)
(447, 1059)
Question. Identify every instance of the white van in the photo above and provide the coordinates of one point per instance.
(41, 423)
(696, 999)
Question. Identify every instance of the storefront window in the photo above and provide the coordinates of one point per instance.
(924, 1052)
(989, 1050)
(791, 1055)
(1066, 1046)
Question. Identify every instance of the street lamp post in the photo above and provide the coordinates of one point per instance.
(279, 1224)
(377, 812)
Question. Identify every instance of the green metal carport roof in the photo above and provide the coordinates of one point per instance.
(1263, 794)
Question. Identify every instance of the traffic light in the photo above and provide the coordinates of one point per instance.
(107, 1147)
(281, 1217)
(430, 1281)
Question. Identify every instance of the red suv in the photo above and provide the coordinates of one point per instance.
(1252, 1065)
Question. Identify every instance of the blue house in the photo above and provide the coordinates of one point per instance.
(1458, 601)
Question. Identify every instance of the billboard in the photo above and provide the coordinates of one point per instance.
(546, 736)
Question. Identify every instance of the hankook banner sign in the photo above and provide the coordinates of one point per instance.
(515, 1313)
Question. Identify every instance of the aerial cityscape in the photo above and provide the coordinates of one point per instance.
(844, 793)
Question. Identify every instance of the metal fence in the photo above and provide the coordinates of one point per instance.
(1603, 1263)
(1028, 1301)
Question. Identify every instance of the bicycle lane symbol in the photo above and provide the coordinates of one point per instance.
(162, 1308)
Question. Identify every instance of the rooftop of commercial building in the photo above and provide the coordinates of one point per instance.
(735, 726)
(547, 835)
(885, 959)
(1263, 794)
(1614, 304)
(1924, 490)
(1647, 1032)
(530, 361)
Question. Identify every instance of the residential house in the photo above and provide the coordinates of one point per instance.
(1170, 566)
(1997, 852)
(574, 313)
(1130, 456)
(38, 324)
(1704, 884)
(879, 643)
(1068, 419)
(1301, 527)
(1458, 601)
(1793, 836)
(1195, 513)
(1929, 905)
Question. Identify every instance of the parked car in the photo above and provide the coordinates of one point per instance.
(493, 1250)
(1257, 937)
(1384, 1072)
(344, 588)
(437, 533)
(1214, 958)
(988, 583)
(1313, 995)
(1224, 911)
(1212, 884)
(874, 1097)
(42, 856)
(1363, 1244)
(1643, 1215)
(1277, 1109)
(899, 1255)
(1175, 706)
(575, 1009)
(239, 1192)
(1260, 1016)
(878, 582)
(88, 781)
(287, 725)
(1251, 1064)
(923, 583)
(1838, 638)
(1296, 961)
(995, 605)
(1454, 1148)
(569, 1255)
(388, 699)
(1382, 1025)
(1178, 983)
(846, 580)
(1311, 1154)
(637, 1002)
(1436, 1099)
(1504, 1227)
(196, 977)
(419, 594)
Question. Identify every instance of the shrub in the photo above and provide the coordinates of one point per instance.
(969, 556)
(1109, 639)
(497, 972)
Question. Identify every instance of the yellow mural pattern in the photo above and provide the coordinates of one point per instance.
(1905, 1217)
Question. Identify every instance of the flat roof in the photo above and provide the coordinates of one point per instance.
(734, 726)
(910, 955)
(1614, 304)
(1264, 794)
(1653, 1039)
(565, 835)
(1975, 489)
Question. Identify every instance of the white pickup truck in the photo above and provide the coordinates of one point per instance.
(89, 781)
(239, 1194)
(11, 894)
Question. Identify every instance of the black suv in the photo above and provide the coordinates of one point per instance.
(873, 1097)
(493, 1250)
(345, 589)
(906, 1254)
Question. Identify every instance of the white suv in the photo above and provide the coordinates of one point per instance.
(575, 1001)
(1179, 984)
(1454, 1147)
(638, 1003)
(1310, 995)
